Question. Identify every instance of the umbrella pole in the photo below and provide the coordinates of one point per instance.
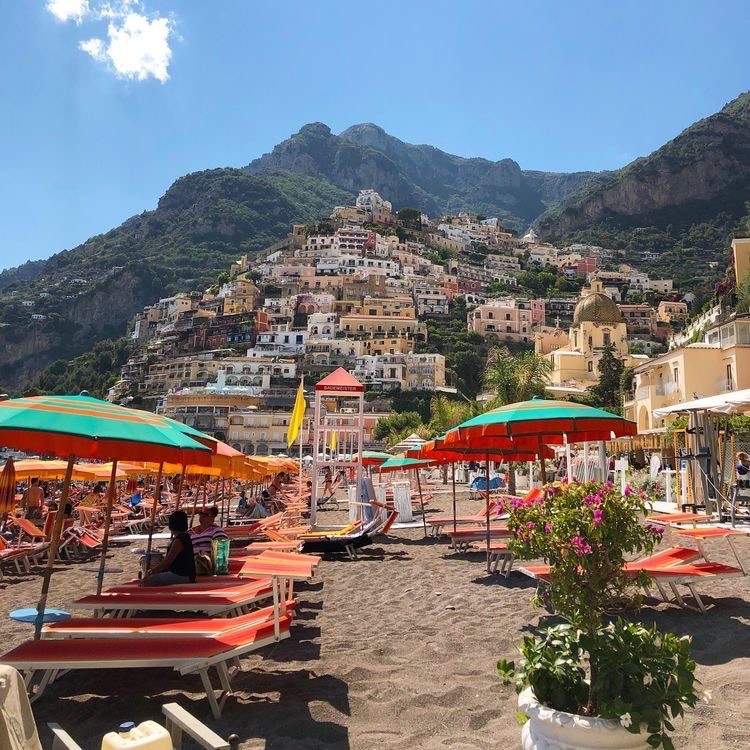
(195, 504)
(541, 461)
(157, 499)
(107, 522)
(223, 502)
(52, 552)
(421, 503)
(487, 508)
(182, 484)
(453, 473)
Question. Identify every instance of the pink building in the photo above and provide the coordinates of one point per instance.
(508, 320)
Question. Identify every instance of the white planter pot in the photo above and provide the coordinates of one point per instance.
(548, 729)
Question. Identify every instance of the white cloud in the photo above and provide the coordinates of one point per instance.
(136, 47)
(69, 10)
(137, 44)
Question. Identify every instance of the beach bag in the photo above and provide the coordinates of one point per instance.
(204, 564)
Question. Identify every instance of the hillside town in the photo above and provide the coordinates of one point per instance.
(361, 290)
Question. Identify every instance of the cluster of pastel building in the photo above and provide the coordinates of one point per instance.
(355, 290)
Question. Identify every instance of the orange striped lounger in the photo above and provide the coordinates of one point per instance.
(186, 655)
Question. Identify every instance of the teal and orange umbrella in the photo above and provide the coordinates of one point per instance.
(545, 421)
(81, 426)
(372, 458)
(90, 428)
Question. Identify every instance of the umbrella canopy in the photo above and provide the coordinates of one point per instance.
(36, 467)
(372, 458)
(402, 463)
(91, 428)
(88, 427)
(413, 441)
(550, 422)
(437, 450)
(8, 487)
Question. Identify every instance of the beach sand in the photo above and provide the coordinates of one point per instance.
(394, 650)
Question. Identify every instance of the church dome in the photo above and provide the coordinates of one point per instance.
(597, 307)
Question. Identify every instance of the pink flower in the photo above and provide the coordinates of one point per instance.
(580, 546)
(628, 491)
(548, 527)
(530, 525)
(598, 516)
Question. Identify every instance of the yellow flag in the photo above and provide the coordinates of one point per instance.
(334, 442)
(298, 414)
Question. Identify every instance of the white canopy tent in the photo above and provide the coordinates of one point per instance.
(734, 402)
(705, 416)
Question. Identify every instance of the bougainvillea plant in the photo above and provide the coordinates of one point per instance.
(587, 532)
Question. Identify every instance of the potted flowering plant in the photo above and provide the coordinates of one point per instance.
(586, 683)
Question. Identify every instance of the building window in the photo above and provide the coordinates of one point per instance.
(591, 366)
(607, 339)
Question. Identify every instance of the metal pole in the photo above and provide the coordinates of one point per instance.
(453, 467)
(541, 460)
(107, 521)
(421, 503)
(487, 508)
(157, 501)
(52, 553)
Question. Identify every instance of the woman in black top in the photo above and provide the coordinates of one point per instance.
(179, 564)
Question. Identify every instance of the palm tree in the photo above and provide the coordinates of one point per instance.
(516, 377)
(445, 414)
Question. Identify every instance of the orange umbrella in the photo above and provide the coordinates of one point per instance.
(8, 488)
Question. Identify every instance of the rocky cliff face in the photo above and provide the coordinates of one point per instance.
(102, 312)
(420, 176)
(705, 168)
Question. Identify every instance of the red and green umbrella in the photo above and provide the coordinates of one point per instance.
(548, 422)
(488, 449)
(81, 426)
(372, 458)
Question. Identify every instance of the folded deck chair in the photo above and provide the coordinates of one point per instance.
(187, 655)
(28, 529)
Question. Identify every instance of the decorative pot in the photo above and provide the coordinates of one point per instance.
(548, 729)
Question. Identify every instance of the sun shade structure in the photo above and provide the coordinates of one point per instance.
(88, 427)
(372, 458)
(81, 426)
(551, 422)
(8, 488)
(413, 441)
(403, 463)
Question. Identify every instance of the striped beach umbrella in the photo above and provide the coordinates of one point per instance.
(8, 488)
(81, 426)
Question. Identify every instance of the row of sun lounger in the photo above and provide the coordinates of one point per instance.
(227, 630)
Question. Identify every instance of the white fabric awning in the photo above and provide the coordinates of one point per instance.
(734, 402)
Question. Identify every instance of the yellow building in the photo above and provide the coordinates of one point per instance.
(382, 325)
(719, 364)
(597, 324)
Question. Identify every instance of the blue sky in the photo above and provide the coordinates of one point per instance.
(105, 104)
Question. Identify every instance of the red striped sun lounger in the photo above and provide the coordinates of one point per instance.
(187, 655)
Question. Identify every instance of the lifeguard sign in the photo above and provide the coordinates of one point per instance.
(346, 424)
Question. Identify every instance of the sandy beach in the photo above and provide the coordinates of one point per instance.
(396, 649)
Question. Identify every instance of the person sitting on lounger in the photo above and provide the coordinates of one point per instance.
(178, 566)
(255, 509)
(206, 531)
